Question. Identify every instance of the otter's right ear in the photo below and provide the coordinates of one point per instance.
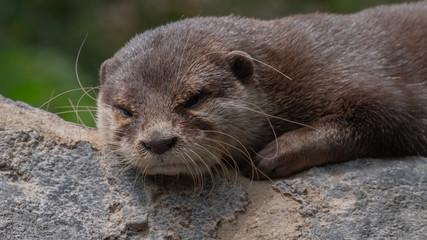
(103, 71)
(242, 65)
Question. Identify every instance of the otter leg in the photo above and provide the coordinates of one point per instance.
(328, 141)
(363, 129)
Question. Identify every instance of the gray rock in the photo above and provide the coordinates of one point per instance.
(363, 199)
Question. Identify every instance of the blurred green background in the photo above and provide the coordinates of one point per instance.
(40, 40)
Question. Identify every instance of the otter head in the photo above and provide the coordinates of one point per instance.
(170, 106)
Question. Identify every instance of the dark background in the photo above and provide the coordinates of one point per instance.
(40, 39)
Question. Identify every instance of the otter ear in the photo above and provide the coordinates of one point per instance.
(242, 65)
(103, 71)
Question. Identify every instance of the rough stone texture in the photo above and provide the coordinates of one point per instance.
(57, 182)
(363, 199)
(60, 192)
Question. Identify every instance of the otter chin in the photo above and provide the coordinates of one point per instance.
(204, 94)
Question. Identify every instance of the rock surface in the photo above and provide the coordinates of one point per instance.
(57, 182)
(363, 199)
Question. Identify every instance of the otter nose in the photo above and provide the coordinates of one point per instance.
(159, 146)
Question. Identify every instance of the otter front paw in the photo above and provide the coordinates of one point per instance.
(288, 154)
(277, 159)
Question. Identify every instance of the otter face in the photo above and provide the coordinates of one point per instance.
(179, 115)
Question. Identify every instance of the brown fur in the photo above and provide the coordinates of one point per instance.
(358, 88)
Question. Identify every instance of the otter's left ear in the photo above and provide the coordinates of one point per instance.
(242, 65)
(103, 71)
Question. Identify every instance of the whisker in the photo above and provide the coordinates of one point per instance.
(77, 107)
(200, 179)
(184, 160)
(241, 151)
(213, 157)
(93, 116)
(232, 137)
(59, 95)
(204, 163)
(267, 65)
(183, 52)
(227, 153)
(48, 104)
(260, 111)
(208, 168)
(76, 68)
(248, 157)
(79, 120)
(252, 58)
(74, 111)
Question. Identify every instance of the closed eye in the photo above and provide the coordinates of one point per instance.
(124, 112)
(193, 101)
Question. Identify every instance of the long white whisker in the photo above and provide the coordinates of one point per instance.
(247, 154)
(76, 68)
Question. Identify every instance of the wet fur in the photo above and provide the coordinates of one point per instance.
(348, 86)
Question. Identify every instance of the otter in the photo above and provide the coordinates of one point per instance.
(281, 96)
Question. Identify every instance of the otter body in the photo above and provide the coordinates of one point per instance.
(281, 95)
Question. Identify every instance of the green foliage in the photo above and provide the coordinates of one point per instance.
(34, 75)
(39, 39)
